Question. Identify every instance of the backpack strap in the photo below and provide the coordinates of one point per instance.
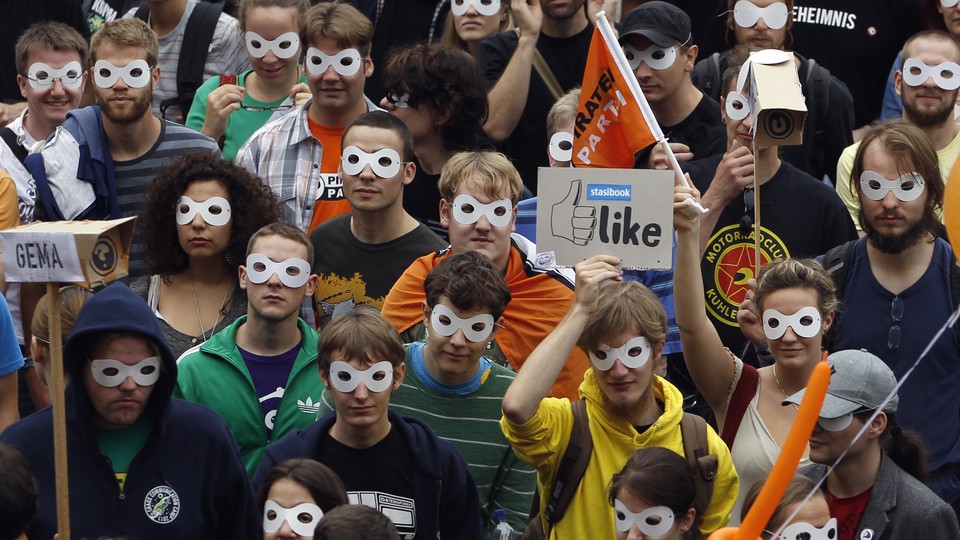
(708, 76)
(955, 281)
(816, 89)
(193, 53)
(543, 69)
(746, 389)
(10, 138)
(573, 465)
(693, 430)
(836, 261)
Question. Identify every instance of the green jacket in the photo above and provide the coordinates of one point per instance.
(214, 374)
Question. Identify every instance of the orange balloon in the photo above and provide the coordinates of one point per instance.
(786, 464)
(951, 207)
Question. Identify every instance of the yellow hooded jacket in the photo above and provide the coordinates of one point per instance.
(542, 440)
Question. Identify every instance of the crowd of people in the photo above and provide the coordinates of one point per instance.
(336, 322)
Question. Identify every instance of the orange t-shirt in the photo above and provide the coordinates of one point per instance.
(330, 200)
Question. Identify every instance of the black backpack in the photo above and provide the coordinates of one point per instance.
(193, 53)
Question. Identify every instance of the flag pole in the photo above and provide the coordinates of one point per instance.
(610, 39)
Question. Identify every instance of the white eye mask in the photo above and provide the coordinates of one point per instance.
(634, 353)
(805, 323)
(737, 106)
(346, 378)
(906, 188)
(283, 47)
(467, 211)
(346, 62)
(746, 14)
(111, 373)
(946, 74)
(658, 58)
(654, 521)
(214, 211)
(839, 423)
(293, 272)
(561, 146)
(385, 163)
(302, 518)
(477, 328)
(948, 3)
(136, 74)
(483, 7)
(42, 76)
(806, 531)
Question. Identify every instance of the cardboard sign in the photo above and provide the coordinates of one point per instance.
(627, 213)
(87, 253)
(778, 105)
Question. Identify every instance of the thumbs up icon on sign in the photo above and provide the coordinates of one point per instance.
(570, 221)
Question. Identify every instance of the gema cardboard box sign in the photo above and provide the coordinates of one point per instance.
(627, 213)
(777, 98)
(88, 253)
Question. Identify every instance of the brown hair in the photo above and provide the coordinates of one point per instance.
(494, 173)
(246, 6)
(800, 273)
(469, 280)
(660, 477)
(127, 33)
(283, 230)
(563, 111)
(71, 300)
(360, 335)
(932, 18)
(340, 22)
(324, 485)
(355, 522)
(913, 152)
(625, 306)
(49, 35)
(797, 490)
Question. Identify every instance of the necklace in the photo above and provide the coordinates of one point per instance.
(781, 386)
(220, 313)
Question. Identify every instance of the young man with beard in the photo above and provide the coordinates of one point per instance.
(896, 288)
(100, 163)
(928, 101)
(622, 326)
(259, 373)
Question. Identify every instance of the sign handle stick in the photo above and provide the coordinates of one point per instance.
(59, 412)
(609, 38)
(756, 207)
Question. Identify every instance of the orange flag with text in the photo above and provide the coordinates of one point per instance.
(609, 127)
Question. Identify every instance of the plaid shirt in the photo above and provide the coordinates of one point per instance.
(287, 156)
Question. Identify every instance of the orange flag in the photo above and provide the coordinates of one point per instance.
(609, 127)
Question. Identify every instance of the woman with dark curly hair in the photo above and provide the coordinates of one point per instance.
(199, 215)
(440, 95)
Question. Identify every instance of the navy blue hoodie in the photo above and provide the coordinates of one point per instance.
(186, 482)
(448, 505)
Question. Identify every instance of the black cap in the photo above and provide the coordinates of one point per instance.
(662, 23)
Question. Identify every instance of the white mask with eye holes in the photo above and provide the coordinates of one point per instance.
(655, 521)
(561, 146)
(384, 163)
(214, 211)
(658, 58)
(834, 425)
(136, 74)
(484, 7)
(805, 323)
(293, 272)
(302, 518)
(346, 62)
(948, 3)
(746, 14)
(445, 323)
(41, 76)
(737, 106)
(945, 74)
(634, 353)
(908, 187)
(111, 373)
(467, 211)
(284, 47)
(806, 531)
(346, 378)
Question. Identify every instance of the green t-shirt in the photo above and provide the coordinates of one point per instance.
(242, 122)
(121, 445)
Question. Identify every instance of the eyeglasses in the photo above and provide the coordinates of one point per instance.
(896, 313)
(254, 108)
(746, 222)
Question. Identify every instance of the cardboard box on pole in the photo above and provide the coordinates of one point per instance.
(88, 253)
(778, 105)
